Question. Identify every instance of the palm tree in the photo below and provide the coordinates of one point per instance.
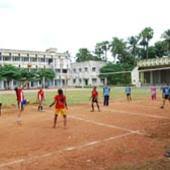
(117, 48)
(146, 35)
(133, 45)
(166, 37)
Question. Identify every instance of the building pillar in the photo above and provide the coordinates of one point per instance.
(159, 77)
(142, 77)
(151, 77)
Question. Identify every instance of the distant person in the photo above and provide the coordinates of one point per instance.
(94, 99)
(165, 95)
(40, 99)
(153, 92)
(128, 92)
(21, 102)
(60, 107)
(106, 94)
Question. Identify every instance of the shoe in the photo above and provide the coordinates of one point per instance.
(161, 107)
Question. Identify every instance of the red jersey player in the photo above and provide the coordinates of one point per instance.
(60, 107)
(40, 99)
(94, 99)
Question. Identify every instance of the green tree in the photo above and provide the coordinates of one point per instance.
(160, 48)
(133, 45)
(101, 50)
(166, 37)
(10, 72)
(116, 79)
(146, 35)
(117, 48)
(45, 74)
(85, 55)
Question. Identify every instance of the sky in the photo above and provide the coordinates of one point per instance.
(73, 24)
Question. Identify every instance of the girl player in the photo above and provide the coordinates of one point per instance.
(94, 99)
(21, 102)
(60, 107)
(153, 92)
(40, 99)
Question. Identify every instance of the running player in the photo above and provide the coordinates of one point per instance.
(153, 92)
(94, 99)
(40, 99)
(128, 92)
(165, 95)
(60, 107)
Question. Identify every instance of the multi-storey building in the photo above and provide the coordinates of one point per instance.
(66, 73)
(50, 58)
(86, 74)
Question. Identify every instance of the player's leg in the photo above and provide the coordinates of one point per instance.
(97, 103)
(19, 113)
(108, 97)
(104, 103)
(65, 120)
(163, 102)
(55, 120)
(92, 106)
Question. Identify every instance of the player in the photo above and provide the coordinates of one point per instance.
(153, 92)
(60, 107)
(40, 99)
(128, 92)
(106, 94)
(21, 102)
(165, 95)
(94, 99)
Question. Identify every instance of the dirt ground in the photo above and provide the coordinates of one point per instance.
(125, 135)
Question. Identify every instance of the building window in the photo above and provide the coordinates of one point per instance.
(7, 58)
(74, 81)
(43, 60)
(94, 81)
(80, 70)
(33, 59)
(16, 58)
(80, 81)
(64, 70)
(86, 69)
(93, 69)
(25, 59)
(57, 70)
(74, 70)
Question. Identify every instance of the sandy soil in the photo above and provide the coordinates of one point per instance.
(120, 136)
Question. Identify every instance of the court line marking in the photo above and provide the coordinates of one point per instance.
(139, 114)
(67, 149)
(107, 125)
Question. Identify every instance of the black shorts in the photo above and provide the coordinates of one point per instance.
(167, 97)
(128, 94)
(94, 100)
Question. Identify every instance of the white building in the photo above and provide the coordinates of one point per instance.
(86, 74)
(50, 58)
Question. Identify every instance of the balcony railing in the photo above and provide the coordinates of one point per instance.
(154, 62)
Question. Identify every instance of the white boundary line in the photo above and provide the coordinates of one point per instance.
(107, 125)
(67, 149)
(139, 114)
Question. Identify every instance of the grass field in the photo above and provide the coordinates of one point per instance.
(75, 96)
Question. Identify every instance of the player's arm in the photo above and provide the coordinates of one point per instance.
(52, 104)
(66, 104)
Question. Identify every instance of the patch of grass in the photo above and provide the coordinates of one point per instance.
(76, 96)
